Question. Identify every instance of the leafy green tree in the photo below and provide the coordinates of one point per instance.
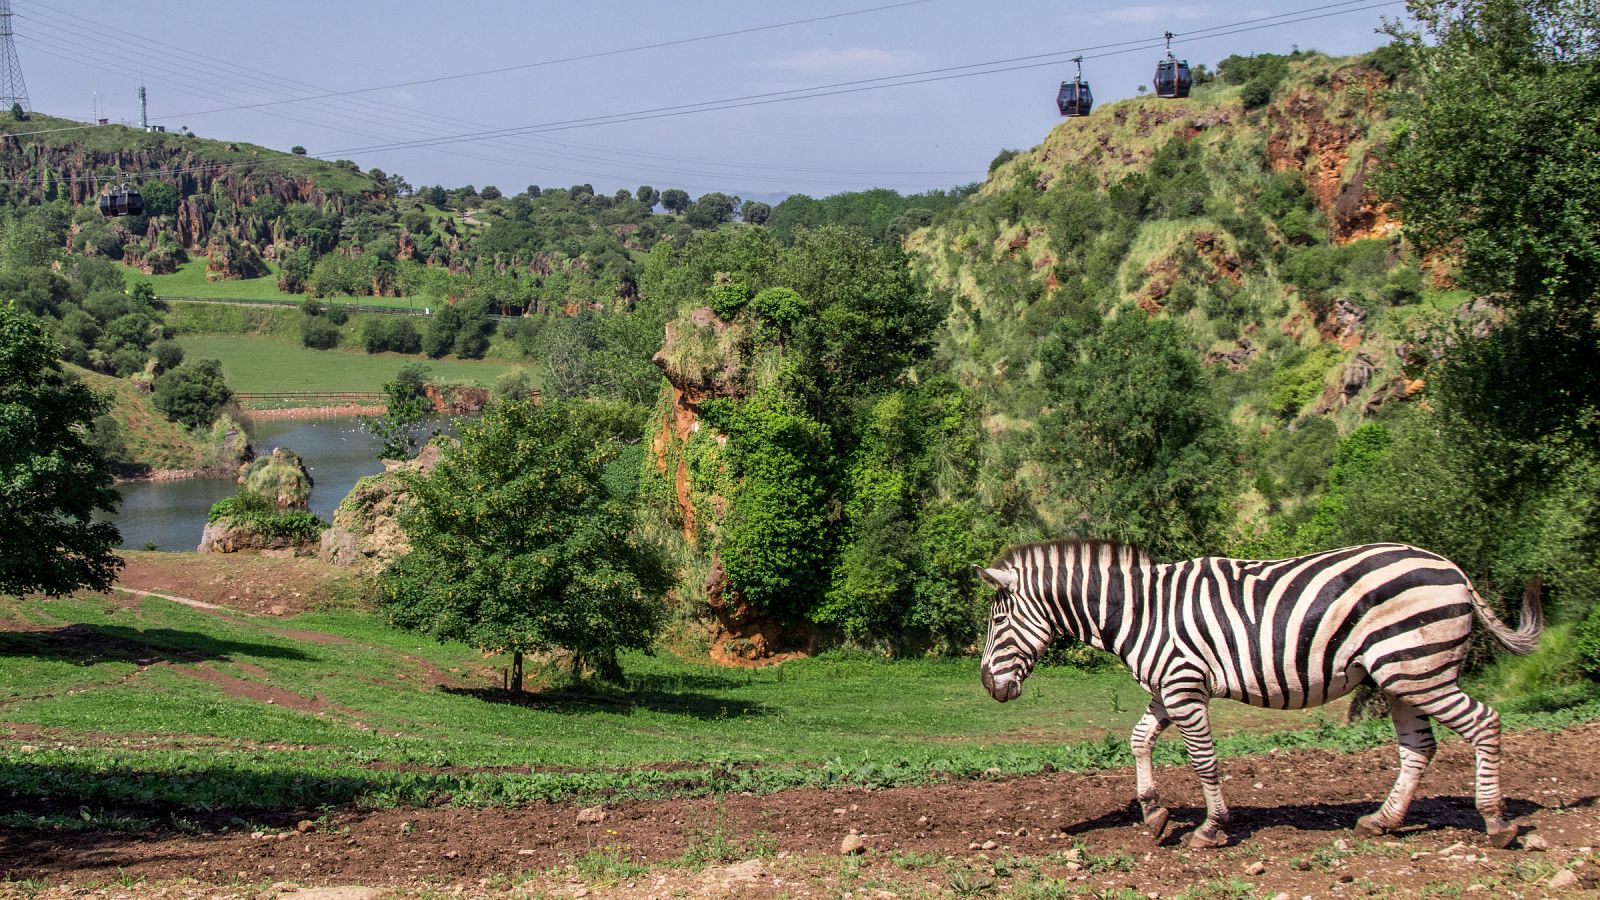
(1135, 446)
(777, 535)
(160, 198)
(489, 192)
(711, 210)
(518, 545)
(192, 394)
(407, 406)
(17, 113)
(52, 482)
(647, 195)
(443, 326)
(298, 150)
(675, 200)
(755, 212)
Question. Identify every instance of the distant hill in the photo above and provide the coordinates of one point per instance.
(1244, 213)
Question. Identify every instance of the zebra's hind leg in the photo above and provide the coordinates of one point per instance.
(1151, 724)
(1416, 751)
(1479, 725)
(1187, 702)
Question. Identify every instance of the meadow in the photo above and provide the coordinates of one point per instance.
(113, 701)
(190, 281)
(264, 363)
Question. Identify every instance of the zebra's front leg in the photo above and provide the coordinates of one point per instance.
(1187, 704)
(1151, 724)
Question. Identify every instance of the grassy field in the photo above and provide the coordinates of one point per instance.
(190, 281)
(264, 363)
(150, 438)
(113, 701)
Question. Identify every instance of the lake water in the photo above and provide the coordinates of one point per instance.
(171, 514)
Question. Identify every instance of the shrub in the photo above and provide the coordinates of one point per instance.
(264, 517)
(193, 394)
(318, 333)
(1586, 645)
(168, 354)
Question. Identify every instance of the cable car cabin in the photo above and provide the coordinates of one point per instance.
(121, 202)
(1075, 99)
(1172, 78)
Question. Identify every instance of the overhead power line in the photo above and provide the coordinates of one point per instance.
(926, 76)
(946, 73)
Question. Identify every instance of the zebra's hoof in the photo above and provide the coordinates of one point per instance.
(1370, 826)
(1501, 834)
(1207, 837)
(1157, 822)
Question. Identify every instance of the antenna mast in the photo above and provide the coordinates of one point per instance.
(144, 112)
(12, 88)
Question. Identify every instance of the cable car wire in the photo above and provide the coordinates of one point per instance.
(839, 88)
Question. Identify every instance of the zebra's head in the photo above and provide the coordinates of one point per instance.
(1019, 632)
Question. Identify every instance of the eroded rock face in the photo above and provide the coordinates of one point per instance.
(228, 535)
(366, 529)
(280, 477)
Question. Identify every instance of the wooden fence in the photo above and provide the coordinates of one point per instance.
(286, 399)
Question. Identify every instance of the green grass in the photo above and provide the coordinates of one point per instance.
(190, 281)
(157, 740)
(267, 363)
(151, 439)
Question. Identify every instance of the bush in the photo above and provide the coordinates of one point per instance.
(193, 394)
(1586, 645)
(1256, 94)
(318, 333)
(264, 517)
(168, 354)
(390, 333)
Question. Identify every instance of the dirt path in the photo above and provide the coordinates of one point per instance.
(1292, 816)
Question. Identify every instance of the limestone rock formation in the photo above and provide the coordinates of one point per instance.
(229, 535)
(366, 527)
(280, 477)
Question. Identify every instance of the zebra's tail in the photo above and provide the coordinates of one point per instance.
(1526, 636)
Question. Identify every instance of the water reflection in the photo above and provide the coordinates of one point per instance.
(171, 514)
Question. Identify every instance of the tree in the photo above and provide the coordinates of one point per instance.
(160, 198)
(318, 333)
(711, 210)
(52, 483)
(675, 200)
(489, 192)
(192, 394)
(755, 212)
(647, 195)
(17, 112)
(407, 407)
(517, 544)
(297, 150)
(1135, 447)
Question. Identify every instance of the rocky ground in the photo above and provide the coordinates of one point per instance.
(1061, 834)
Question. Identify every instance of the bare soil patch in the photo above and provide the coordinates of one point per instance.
(251, 584)
(1293, 813)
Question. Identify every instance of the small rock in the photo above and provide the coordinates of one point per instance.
(839, 810)
(526, 852)
(1072, 855)
(591, 814)
(1282, 895)
(989, 845)
(1255, 868)
(1341, 845)
(284, 887)
(581, 892)
(851, 845)
(28, 748)
(973, 845)
(1564, 880)
(451, 854)
(1535, 842)
(1477, 888)
(749, 870)
(1453, 848)
(922, 820)
(304, 826)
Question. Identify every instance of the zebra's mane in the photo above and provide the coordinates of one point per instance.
(1085, 546)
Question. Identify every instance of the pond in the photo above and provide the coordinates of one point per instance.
(169, 515)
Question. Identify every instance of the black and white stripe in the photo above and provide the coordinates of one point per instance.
(1283, 633)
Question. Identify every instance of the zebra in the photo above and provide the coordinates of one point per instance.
(1282, 634)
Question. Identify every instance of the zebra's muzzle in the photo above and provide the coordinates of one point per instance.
(1001, 689)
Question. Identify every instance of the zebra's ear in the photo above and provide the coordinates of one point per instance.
(1000, 579)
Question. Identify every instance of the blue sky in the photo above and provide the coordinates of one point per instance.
(199, 57)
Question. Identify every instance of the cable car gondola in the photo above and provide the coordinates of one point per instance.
(121, 201)
(1172, 75)
(1075, 99)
